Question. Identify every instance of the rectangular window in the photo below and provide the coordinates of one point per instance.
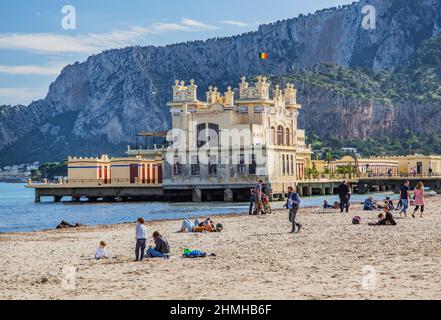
(213, 135)
(292, 165)
(212, 165)
(201, 131)
(253, 165)
(241, 166)
(283, 164)
(195, 167)
(177, 167)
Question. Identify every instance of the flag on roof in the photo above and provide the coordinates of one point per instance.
(263, 55)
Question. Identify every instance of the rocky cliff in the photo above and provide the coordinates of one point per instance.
(105, 100)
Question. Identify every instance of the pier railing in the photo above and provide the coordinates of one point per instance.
(91, 182)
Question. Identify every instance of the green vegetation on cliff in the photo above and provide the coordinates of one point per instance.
(417, 83)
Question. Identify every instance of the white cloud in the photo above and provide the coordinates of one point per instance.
(93, 42)
(47, 70)
(197, 24)
(22, 95)
(236, 23)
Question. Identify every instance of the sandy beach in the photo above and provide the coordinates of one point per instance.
(256, 258)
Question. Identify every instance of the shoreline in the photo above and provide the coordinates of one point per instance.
(222, 215)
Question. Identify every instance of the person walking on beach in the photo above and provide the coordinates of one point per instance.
(292, 204)
(141, 239)
(419, 199)
(252, 201)
(404, 197)
(344, 195)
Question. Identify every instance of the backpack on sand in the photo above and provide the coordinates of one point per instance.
(356, 220)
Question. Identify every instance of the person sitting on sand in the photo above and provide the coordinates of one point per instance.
(385, 219)
(326, 205)
(336, 205)
(101, 252)
(161, 249)
(390, 203)
(369, 204)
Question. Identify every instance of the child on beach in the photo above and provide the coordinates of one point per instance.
(101, 252)
(141, 238)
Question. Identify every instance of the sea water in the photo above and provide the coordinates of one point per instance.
(19, 213)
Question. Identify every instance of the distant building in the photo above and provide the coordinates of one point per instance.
(377, 165)
(114, 171)
(420, 163)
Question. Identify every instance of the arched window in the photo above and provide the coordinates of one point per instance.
(272, 136)
(287, 137)
(279, 135)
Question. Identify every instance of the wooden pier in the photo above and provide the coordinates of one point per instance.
(393, 183)
(125, 191)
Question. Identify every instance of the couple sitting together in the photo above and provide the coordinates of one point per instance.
(370, 204)
(206, 226)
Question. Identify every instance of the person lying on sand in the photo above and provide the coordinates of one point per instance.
(101, 252)
(161, 249)
(205, 226)
(64, 224)
(188, 226)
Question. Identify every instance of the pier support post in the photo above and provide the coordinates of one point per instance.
(57, 198)
(322, 190)
(37, 197)
(307, 191)
(196, 195)
(75, 199)
(228, 195)
(328, 191)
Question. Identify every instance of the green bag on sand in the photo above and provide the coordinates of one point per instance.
(187, 251)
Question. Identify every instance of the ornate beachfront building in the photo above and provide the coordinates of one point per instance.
(223, 146)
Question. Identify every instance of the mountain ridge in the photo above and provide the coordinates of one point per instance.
(111, 96)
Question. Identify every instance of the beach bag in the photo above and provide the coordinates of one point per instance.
(194, 254)
(356, 220)
(219, 227)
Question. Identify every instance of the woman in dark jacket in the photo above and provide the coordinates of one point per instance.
(162, 248)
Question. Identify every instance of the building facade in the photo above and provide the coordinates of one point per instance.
(222, 146)
(420, 164)
(374, 166)
(114, 171)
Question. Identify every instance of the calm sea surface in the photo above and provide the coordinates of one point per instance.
(18, 212)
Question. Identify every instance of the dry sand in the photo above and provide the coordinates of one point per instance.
(256, 259)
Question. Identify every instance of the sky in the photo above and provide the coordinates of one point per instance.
(39, 37)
